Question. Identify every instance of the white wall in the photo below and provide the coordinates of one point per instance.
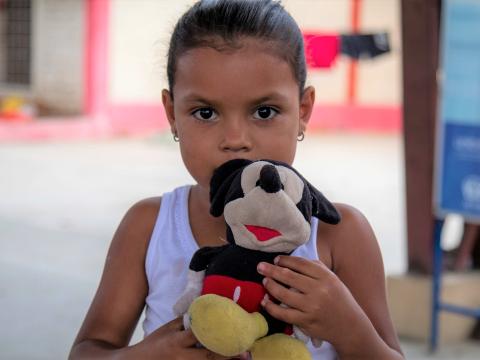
(380, 80)
(140, 32)
(58, 54)
(139, 36)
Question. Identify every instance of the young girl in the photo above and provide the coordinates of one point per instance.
(236, 72)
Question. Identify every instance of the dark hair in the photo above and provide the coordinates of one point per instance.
(220, 24)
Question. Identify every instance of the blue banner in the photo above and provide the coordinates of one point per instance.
(458, 143)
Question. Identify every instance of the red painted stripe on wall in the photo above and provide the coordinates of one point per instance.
(138, 118)
(354, 118)
(353, 65)
(96, 60)
(144, 119)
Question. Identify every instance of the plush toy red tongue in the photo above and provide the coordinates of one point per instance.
(262, 233)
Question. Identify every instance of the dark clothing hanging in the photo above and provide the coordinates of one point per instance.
(364, 46)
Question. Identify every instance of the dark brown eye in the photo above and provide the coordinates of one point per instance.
(205, 114)
(265, 113)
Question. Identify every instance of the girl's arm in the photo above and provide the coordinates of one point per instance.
(357, 261)
(346, 306)
(120, 299)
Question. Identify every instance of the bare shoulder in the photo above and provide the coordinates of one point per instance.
(141, 218)
(120, 297)
(147, 208)
(134, 231)
(352, 220)
(338, 242)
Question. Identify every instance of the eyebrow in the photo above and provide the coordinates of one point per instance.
(271, 97)
(274, 96)
(197, 98)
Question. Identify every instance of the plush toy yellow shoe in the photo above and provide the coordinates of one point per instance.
(279, 347)
(227, 329)
(223, 327)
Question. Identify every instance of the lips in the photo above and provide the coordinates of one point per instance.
(262, 233)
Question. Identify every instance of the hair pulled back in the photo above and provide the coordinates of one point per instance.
(222, 24)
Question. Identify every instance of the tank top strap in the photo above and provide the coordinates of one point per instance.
(171, 230)
(182, 219)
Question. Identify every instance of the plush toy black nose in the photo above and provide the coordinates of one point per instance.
(269, 179)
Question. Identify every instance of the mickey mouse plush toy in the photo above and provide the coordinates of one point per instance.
(267, 206)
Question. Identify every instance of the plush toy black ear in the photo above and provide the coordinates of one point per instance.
(221, 182)
(322, 208)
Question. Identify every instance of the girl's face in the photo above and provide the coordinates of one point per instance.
(241, 103)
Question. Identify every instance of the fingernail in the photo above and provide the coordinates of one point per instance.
(264, 281)
(276, 260)
(264, 300)
(261, 267)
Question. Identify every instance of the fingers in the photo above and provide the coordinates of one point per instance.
(182, 342)
(203, 354)
(207, 354)
(288, 315)
(173, 326)
(286, 276)
(314, 269)
(186, 338)
(299, 274)
(290, 297)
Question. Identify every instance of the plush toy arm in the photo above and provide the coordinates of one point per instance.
(196, 274)
(300, 335)
(191, 292)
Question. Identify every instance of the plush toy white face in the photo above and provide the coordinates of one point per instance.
(267, 217)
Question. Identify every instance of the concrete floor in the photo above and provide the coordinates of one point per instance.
(61, 202)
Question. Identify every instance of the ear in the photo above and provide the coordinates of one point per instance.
(221, 182)
(167, 101)
(322, 208)
(307, 102)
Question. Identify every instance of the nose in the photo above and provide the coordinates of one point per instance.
(235, 136)
(269, 179)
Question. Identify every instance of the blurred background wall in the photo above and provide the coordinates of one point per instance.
(58, 55)
(55, 53)
(136, 30)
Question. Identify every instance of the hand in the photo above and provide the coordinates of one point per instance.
(322, 307)
(172, 342)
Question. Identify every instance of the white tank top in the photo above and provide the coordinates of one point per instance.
(171, 247)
